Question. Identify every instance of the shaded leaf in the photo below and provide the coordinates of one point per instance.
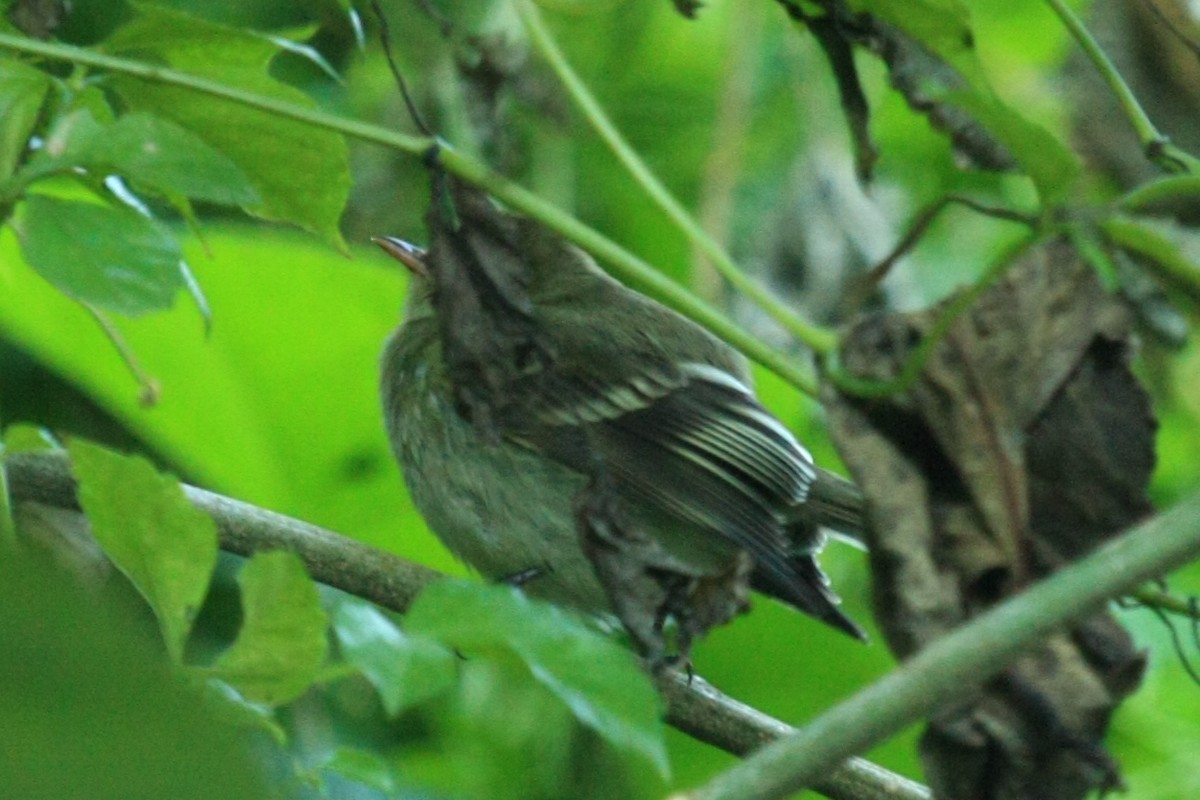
(301, 173)
(597, 680)
(405, 670)
(165, 546)
(233, 709)
(282, 641)
(112, 258)
(154, 152)
(22, 90)
(90, 708)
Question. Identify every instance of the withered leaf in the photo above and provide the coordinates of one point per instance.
(1023, 444)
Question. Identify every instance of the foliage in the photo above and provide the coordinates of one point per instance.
(118, 190)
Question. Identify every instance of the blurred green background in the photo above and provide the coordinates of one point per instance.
(738, 114)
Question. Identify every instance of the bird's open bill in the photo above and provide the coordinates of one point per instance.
(407, 253)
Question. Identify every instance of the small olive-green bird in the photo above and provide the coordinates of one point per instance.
(698, 462)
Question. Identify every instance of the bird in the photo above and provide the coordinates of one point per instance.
(704, 470)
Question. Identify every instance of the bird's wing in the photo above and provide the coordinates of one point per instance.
(690, 440)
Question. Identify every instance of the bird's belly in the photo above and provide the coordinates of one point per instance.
(519, 517)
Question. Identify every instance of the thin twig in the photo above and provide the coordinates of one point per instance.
(1176, 643)
(385, 39)
(1156, 598)
(151, 389)
(920, 225)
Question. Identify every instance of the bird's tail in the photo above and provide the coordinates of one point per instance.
(836, 503)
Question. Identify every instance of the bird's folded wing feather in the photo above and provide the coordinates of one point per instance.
(690, 440)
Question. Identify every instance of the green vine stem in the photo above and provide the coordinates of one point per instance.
(1175, 189)
(1157, 146)
(962, 660)
(868, 387)
(623, 264)
(819, 339)
(1157, 252)
(1156, 598)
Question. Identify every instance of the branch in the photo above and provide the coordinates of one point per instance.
(694, 707)
(961, 661)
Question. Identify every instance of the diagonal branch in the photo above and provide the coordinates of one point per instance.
(694, 707)
(962, 660)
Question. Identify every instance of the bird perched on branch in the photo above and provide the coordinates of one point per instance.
(609, 446)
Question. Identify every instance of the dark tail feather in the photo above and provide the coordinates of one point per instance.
(822, 603)
(808, 591)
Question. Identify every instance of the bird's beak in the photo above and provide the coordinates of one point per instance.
(406, 253)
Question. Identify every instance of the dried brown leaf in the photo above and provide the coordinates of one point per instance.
(1024, 443)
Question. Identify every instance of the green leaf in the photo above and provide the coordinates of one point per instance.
(944, 28)
(91, 709)
(22, 91)
(325, 460)
(1164, 195)
(153, 152)
(598, 681)
(282, 641)
(112, 258)
(23, 438)
(1169, 250)
(301, 173)
(1051, 165)
(226, 705)
(405, 670)
(164, 545)
(363, 766)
